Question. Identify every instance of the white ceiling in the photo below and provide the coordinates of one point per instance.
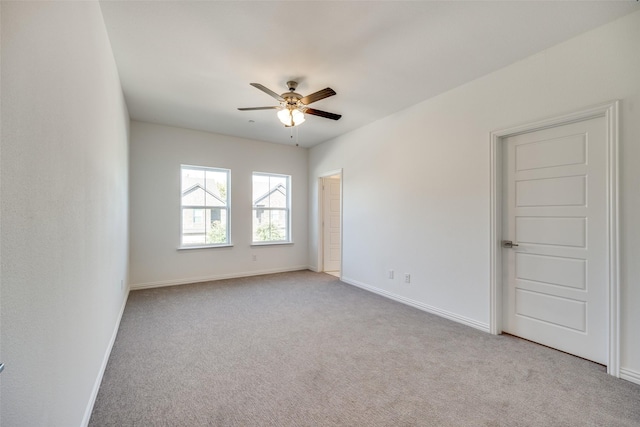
(189, 63)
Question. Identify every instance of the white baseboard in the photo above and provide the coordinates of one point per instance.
(185, 281)
(419, 305)
(629, 375)
(103, 367)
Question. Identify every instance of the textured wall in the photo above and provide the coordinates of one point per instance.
(64, 209)
(156, 155)
(430, 164)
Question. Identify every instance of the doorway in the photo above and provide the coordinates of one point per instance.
(330, 233)
(554, 234)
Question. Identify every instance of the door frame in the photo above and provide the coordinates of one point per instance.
(319, 226)
(609, 111)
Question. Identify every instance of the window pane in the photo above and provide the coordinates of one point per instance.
(270, 225)
(216, 226)
(270, 190)
(270, 208)
(193, 226)
(192, 177)
(196, 239)
(205, 219)
(216, 188)
(260, 189)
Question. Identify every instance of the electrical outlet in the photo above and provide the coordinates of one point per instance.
(390, 275)
(407, 278)
(254, 257)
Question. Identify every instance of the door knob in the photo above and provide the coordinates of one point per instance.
(509, 244)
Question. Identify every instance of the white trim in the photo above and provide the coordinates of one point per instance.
(162, 283)
(330, 173)
(612, 119)
(256, 244)
(103, 367)
(629, 375)
(320, 230)
(319, 226)
(188, 248)
(610, 112)
(495, 230)
(419, 305)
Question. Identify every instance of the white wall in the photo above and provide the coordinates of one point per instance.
(64, 210)
(156, 155)
(430, 165)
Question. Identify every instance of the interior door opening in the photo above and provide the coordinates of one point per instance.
(330, 251)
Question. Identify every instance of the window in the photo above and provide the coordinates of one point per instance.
(205, 206)
(271, 208)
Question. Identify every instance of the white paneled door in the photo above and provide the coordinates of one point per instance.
(555, 214)
(332, 241)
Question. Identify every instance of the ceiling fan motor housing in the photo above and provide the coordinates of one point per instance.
(291, 98)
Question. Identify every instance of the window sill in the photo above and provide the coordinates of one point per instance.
(186, 248)
(270, 243)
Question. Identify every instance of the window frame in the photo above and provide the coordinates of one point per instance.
(287, 210)
(227, 208)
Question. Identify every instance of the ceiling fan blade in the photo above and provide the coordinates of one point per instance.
(267, 91)
(258, 108)
(317, 96)
(324, 114)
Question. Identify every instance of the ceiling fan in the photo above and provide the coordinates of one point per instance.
(293, 106)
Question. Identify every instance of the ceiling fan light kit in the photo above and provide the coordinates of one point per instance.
(293, 106)
(291, 117)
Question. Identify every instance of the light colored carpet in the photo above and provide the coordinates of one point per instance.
(304, 349)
